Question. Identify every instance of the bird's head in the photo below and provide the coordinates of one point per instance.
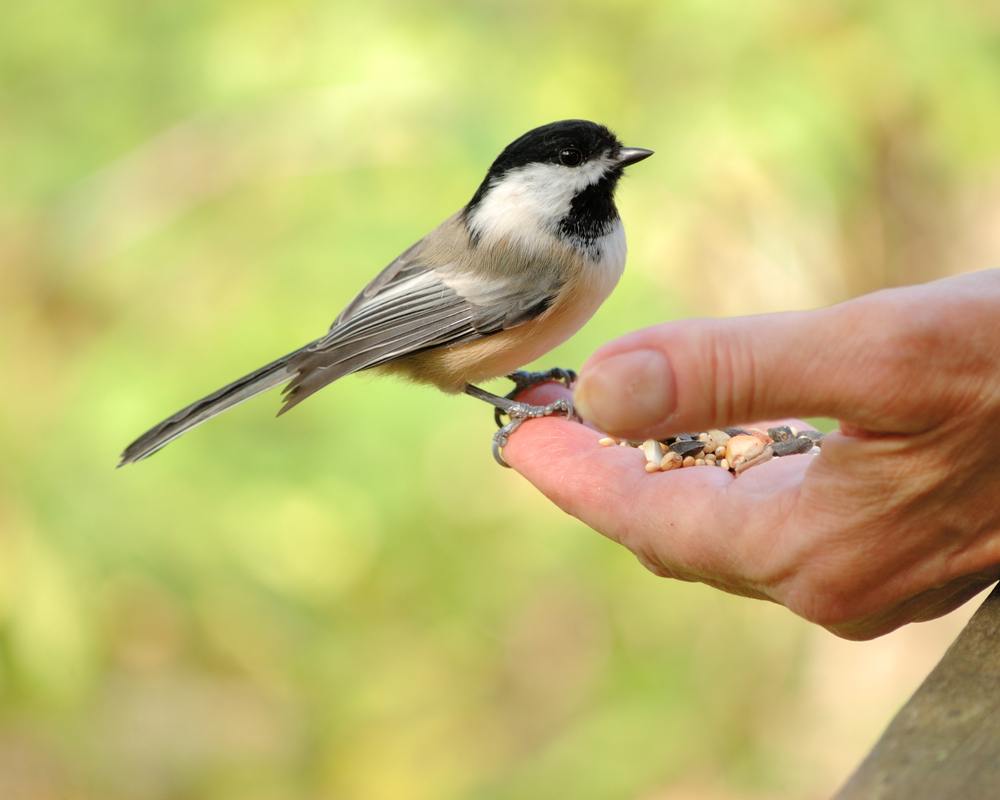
(558, 179)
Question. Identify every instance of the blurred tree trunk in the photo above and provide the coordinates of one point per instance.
(945, 742)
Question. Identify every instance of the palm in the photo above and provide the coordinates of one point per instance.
(782, 531)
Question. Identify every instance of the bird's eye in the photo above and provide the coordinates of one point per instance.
(570, 157)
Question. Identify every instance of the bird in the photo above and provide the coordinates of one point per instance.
(512, 274)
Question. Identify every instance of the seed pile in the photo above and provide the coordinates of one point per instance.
(733, 449)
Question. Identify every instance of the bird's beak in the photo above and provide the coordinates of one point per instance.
(632, 155)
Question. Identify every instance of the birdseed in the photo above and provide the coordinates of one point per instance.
(733, 449)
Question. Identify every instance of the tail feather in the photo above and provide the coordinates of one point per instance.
(260, 380)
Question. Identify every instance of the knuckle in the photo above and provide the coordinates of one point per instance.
(901, 356)
(916, 339)
(732, 365)
(923, 350)
(908, 342)
(931, 341)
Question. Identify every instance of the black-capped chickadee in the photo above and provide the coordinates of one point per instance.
(513, 274)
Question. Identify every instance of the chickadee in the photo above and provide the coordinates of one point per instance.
(513, 274)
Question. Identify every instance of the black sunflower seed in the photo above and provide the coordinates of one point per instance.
(799, 444)
(782, 433)
(687, 447)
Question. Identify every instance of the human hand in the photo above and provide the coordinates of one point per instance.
(896, 520)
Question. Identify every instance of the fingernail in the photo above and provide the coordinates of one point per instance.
(626, 393)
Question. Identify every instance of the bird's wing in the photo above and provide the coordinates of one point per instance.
(412, 306)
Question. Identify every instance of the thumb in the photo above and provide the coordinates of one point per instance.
(850, 361)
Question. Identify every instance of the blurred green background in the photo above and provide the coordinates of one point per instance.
(353, 601)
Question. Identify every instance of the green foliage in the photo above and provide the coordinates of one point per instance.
(353, 601)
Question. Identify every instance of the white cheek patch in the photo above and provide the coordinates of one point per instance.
(527, 203)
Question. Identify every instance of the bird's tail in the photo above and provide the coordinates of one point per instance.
(260, 380)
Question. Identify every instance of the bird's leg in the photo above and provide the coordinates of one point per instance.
(524, 380)
(518, 413)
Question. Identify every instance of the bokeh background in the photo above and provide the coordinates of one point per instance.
(353, 601)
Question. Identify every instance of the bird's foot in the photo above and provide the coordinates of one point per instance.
(517, 413)
(525, 380)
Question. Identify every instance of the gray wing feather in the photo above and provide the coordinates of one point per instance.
(403, 266)
(408, 308)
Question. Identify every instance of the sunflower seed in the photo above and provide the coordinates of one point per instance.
(687, 447)
(800, 444)
(781, 433)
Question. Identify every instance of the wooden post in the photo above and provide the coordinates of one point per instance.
(945, 742)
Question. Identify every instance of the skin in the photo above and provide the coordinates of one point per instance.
(896, 520)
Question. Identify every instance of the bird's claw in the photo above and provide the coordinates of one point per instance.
(523, 380)
(518, 413)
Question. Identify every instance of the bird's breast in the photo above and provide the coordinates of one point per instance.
(589, 279)
(607, 256)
